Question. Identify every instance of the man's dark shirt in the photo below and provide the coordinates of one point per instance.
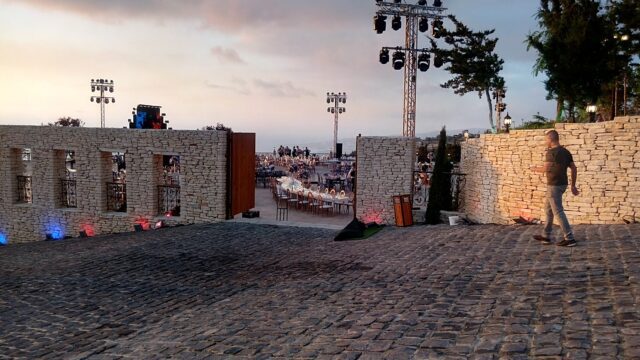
(557, 173)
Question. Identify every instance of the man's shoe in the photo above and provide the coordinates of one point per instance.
(567, 243)
(542, 239)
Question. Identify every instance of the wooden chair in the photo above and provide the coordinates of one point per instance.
(313, 204)
(274, 190)
(349, 203)
(303, 203)
(292, 198)
(281, 194)
(324, 206)
(282, 209)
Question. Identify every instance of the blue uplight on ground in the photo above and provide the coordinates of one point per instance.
(54, 232)
(3, 239)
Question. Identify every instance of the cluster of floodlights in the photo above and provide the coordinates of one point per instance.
(337, 98)
(398, 59)
(102, 86)
(380, 21)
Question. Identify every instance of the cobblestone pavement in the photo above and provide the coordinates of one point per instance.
(241, 290)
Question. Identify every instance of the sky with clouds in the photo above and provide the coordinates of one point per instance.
(258, 66)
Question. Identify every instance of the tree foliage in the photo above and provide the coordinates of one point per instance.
(470, 57)
(440, 190)
(423, 153)
(218, 126)
(580, 50)
(67, 122)
(624, 16)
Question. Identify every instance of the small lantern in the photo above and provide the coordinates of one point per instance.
(592, 109)
(507, 122)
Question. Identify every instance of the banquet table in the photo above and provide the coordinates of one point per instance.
(287, 183)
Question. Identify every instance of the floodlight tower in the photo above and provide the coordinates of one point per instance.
(336, 110)
(416, 19)
(102, 86)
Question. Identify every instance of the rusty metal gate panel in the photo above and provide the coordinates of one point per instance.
(242, 173)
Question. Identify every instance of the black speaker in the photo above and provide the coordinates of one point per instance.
(338, 150)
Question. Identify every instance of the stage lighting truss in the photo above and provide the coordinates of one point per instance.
(411, 58)
(336, 109)
(102, 86)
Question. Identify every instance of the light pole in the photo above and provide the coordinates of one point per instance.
(102, 86)
(417, 19)
(336, 110)
(621, 42)
(624, 38)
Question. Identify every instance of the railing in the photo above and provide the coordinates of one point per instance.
(421, 188)
(169, 200)
(68, 196)
(116, 197)
(25, 194)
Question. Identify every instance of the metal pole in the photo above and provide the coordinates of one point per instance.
(335, 129)
(615, 101)
(102, 107)
(624, 94)
(498, 113)
(410, 75)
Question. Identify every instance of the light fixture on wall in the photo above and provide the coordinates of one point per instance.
(466, 135)
(507, 123)
(592, 109)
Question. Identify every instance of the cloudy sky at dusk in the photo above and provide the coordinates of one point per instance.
(259, 66)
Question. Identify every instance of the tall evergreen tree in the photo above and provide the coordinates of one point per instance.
(624, 19)
(440, 191)
(471, 59)
(574, 46)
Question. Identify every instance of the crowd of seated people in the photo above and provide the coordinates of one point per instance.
(296, 151)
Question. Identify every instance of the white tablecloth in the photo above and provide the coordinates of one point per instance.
(290, 184)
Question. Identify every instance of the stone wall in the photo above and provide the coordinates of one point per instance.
(499, 184)
(203, 178)
(384, 169)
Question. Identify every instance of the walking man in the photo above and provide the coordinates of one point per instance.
(557, 160)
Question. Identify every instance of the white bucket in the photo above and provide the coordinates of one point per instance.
(453, 220)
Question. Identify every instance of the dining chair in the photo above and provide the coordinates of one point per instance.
(303, 203)
(324, 206)
(313, 203)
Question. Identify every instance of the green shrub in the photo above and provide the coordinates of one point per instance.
(531, 125)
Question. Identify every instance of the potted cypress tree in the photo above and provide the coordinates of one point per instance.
(440, 190)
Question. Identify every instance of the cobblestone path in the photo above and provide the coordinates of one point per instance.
(240, 290)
